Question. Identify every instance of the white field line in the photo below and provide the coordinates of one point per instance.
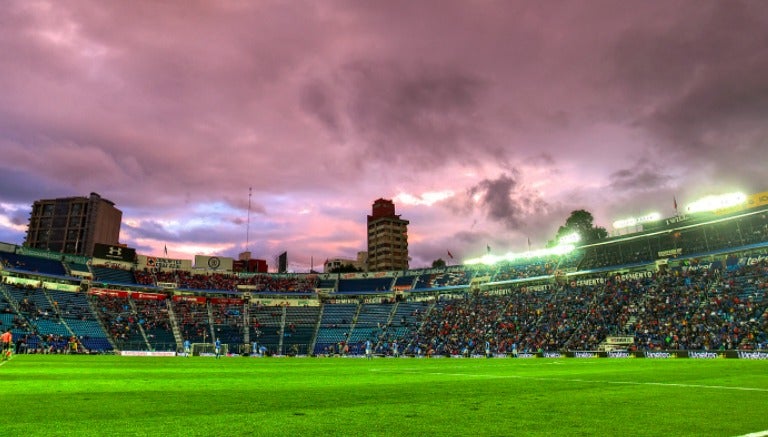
(756, 434)
(597, 381)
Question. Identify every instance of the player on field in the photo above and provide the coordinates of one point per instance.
(6, 342)
(368, 349)
(218, 348)
(187, 348)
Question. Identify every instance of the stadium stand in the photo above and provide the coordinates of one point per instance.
(109, 275)
(700, 286)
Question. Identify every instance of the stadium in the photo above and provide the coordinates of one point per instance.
(672, 314)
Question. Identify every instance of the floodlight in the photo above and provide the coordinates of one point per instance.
(634, 221)
(715, 202)
(570, 238)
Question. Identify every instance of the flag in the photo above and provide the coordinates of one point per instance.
(165, 249)
(529, 244)
(488, 248)
(450, 255)
(674, 200)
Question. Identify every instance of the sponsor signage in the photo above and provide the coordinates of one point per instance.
(76, 259)
(702, 355)
(60, 287)
(670, 252)
(107, 292)
(543, 287)
(114, 252)
(660, 355)
(758, 199)
(40, 253)
(147, 354)
(634, 275)
(148, 296)
(21, 281)
(214, 263)
(619, 354)
(634, 221)
(589, 281)
(195, 299)
(620, 340)
(581, 354)
(551, 355)
(677, 219)
(159, 263)
(744, 355)
(227, 300)
(752, 260)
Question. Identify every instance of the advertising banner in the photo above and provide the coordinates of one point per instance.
(148, 296)
(214, 263)
(60, 287)
(108, 292)
(114, 252)
(227, 300)
(163, 264)
(195, 299)
(40, 253)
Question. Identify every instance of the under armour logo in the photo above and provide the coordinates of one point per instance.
(115, 251)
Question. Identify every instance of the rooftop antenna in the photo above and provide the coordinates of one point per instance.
(248, 223)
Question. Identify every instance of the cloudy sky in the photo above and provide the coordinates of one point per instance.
(486, 122)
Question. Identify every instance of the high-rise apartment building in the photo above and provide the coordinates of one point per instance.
(73, 224)
(387, 238)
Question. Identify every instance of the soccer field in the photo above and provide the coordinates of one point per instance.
(112, 395)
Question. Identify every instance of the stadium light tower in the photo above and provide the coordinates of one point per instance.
(713, 203)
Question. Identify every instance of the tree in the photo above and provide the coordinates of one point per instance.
(438, 263)
(581, 221)
(345, 268)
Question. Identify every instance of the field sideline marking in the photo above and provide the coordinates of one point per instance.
(756, 434)
(594, 381)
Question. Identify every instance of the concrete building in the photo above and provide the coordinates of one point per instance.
(335, 263)
(73, 224)
(387, 238)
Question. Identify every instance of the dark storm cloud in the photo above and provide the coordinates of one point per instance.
(419, 116)
(698, 86)
(322, 107)
(317, 99)
(504, 200)
(213, 234)
(24, 187)
(643, 176)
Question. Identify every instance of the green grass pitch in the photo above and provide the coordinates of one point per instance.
(112, 395)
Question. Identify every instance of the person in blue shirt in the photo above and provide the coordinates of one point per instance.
(368, 349)
(187, 348)
(487, 349)
(218, 348)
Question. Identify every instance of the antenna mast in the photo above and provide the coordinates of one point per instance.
(248, 223)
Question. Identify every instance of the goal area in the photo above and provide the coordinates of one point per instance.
(207, 349)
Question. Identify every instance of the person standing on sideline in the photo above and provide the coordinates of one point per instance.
(218, 348)
(187, 348)
(368, 349)
(6, 342)
(487, 349)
